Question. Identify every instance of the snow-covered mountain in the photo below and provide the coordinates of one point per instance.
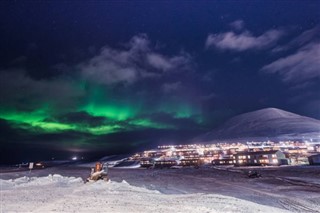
(269, 123)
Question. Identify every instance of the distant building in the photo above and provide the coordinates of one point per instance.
(261, 158)
(164, 163)
(146, 162)
(314, 159)
(190, 162)
(223, 161)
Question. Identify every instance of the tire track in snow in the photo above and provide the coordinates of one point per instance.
(295, 206)
(286, 203)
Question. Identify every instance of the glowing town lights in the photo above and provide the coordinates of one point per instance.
(74, 158)
(224, 153)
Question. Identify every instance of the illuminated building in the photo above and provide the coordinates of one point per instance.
(260, 158)
(296, 152)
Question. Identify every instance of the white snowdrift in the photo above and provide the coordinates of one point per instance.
(56, 193)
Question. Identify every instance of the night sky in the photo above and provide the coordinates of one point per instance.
(109, 77)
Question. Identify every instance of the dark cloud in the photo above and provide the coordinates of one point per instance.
(19, 91)
(301, 66)
(8, 133)
(80, 118)
(18, 143)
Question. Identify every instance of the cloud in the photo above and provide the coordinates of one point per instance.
(299, 67)
(159, 62)
(242, 41)
(127, 65)
(164, 63)
(306, 37)
(237, 25)
(139, 42)
(113, 66)
(311, 35)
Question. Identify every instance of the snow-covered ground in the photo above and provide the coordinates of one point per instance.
(207, 189)
(56, 193)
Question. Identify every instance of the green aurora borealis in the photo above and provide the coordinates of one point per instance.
(94, 105)
(115, 115)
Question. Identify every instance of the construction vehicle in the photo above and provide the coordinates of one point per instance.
(99, 172)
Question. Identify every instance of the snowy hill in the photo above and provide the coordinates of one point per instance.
(269, 123)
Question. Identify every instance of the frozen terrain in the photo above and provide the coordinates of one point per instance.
(215, 189)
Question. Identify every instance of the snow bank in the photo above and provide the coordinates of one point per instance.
(56, 193)
(56, 180)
